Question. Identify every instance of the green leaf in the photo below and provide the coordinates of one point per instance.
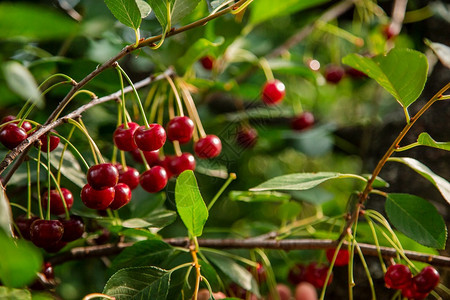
(190, 204)
(19, 262)
(21, 82)
(126, 11)
(426, 140)
(9, 293)
(157, 219)
(200, 48)
(263, 10)
(417, 218)
(402, 72)
(144, 253)
(41, 23)
(5, 212)
(178, 10)
(234, 271)
(144, 8)
(440, 183)
(297, 181)
(289, 210)
(139, 283)
(316, 196)
(246, 196)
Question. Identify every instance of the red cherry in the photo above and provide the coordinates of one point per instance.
(73, 228)
(25, 125)
(130, 177)
(97, 199)
(44, 233)
(334, 74)
(11, 135)
(207, 62)
(180, 129)
(54, 142)
(124, 137)
(354, 73)
(150, 156)
(208, 147)
(178, 164)
(154, 180)
(56, 204)
(297, 274)
(47, 270)
(426, 280)
(397, 277)
(316, 275)
(23, 224)
(102, 176)
(273, 92)
(259, 273)
(303, 121)
(410, 292)
(122, 196)
(247, 137)
(55, 247)
(342, 258)
(284, 292)
(150, 139)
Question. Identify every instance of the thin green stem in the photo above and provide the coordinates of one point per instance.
(230, 255)
(330, 270)
(377, 244)
(404, 148)
(94, 149)
(177, 96)
(67, 142)
(61, 160)
(271, 281)
(21, 207)
(366, 268)
(49, 188)
(29, 190)
(38, 182)
(231, 177)
(91, 94)
(124, 109)
(266, 69)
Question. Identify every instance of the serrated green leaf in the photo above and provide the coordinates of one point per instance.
(144, 8)
(9, 293)
(178, 10)
(21, 82)
(401, 72)
(440, 183)
(247, 196)
(126, 11)
(417, 218)
(200, 48)
(426, 140)
(5, 213)
(139, 283)
(190, 204)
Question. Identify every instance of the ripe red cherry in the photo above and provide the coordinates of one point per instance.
(426, 280)
(178, 164)
(341, 259)
(316, 275)
(97, 199)
(397, 277)
(247, 137)
(102, 176)
(130, 177)
(54, 142)
(154, 180)
(180, 129)
(56, 204)
(354, 73)
(44, 233)
(273, 92)
(303, 121)
(150, 156)
(124, 137)
(23, 224)
(410, 292)
(122, 196)
(150, 139)
(25, 125)
(334, 74)
(297, 274)
(73, 228)
(55, 247)
(11, 135)
(207, 62)
(208, 147)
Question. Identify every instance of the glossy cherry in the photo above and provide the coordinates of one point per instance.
(44, 233)
(124, 137)
(273, 92)
(208, 147)
(154, 180)
(246, 137)
(73, 228)
(334, 74)
(316, 275)
(180, 129)
(207, 62)
(130, 177)
(97, 199)
(102, 176)
(397, 276)
(303, 121)
(297, 274)
(150, 139)
(11, 135)
(426, 280)
(25, 125)
(122, 196)
(342, 258)
(55, 247)
(56, 204)
(178, 164)
(150, 156)
(23, 224)
(54, 142)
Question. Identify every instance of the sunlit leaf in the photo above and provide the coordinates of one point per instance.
(144, 8)
(5, 212)
(426, 140)
(247, 196)
(126, 11)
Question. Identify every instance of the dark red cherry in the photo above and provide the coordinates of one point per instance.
(154, 180)
(316, 275)
(342, 258)
(273, 92)
(23, 224)
(208, 147)
(426, 280)
(130, 177)
(180, 129)
(207, 62)
(150, 139)
(303, 121)
(397, 277)
(56, 204)
(354, 73)
(25, 125)
(410, 292)
(73, 228)
(102, 176)
(54, 142)
(44, 233)
(178, 164)
(122, 196)
(297, 274)
(334, 74)
(97, 199)
(55, 247)
(124, 137)
(11, 135)
(246, 137)
(150, 156)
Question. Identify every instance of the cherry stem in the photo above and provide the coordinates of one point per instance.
(38, 182)
(21, 208)
(177, 96)
(377, 244)
(28, 210)
(271, 280)
(150, 95)
(124, 109)
(94, 149)
(91, 94)
(61, 159)
(67, 142)
(194, 249)
(156, 102)
(123, 161)
(330, 269)
(266, 69)
(144, 160)
(231, 177)
(190, 103)
(49, 188)
(366, 268)
(177, 148)
(170, 106)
